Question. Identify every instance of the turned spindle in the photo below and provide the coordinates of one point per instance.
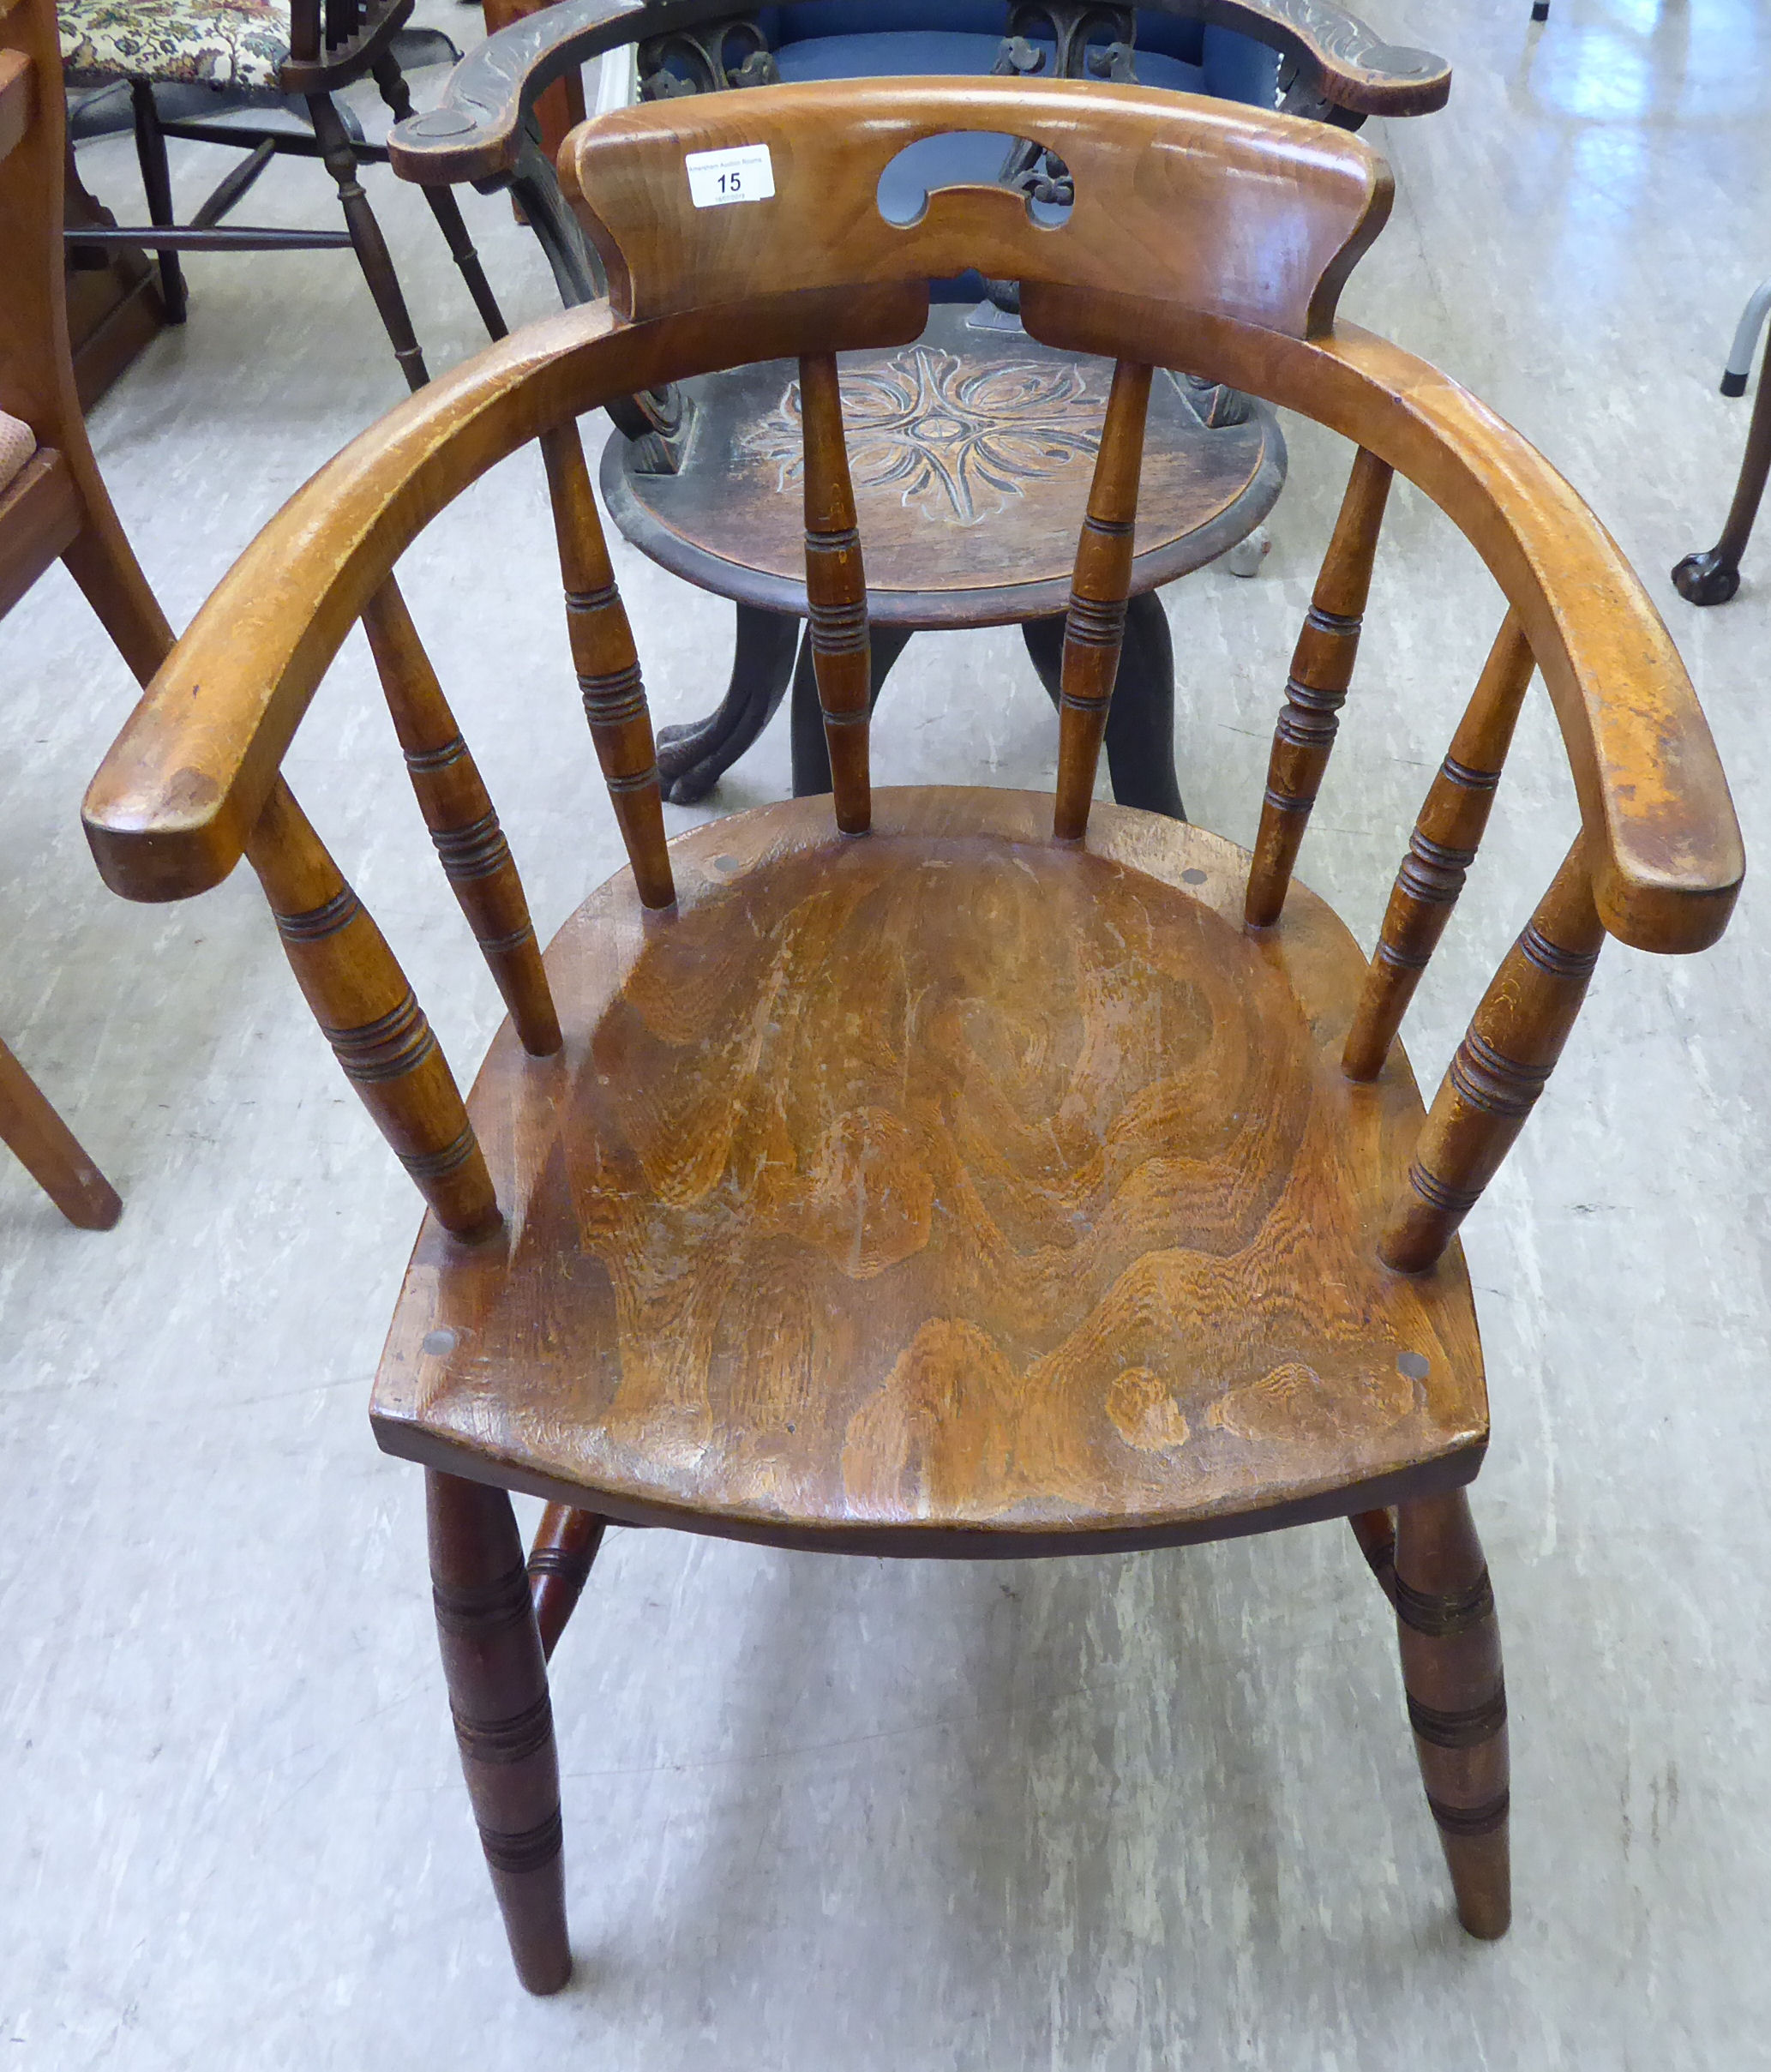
(565, 1544)
(360, 997)
(1375, 1531)
(1095, 627)
(1321, 670)
(1441, 850)
(475, 855)
(835, 594)
(608, 667)
(1500, 1068)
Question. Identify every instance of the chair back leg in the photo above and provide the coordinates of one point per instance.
(443, 204)
(157, 183)
(371, 247)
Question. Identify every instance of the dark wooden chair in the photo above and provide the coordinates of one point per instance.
(689, 475)
(53, 505)
(949, 1173)
(266, 51)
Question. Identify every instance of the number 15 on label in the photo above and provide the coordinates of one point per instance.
(718, 178)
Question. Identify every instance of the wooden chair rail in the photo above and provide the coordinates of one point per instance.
(476, 133)
(168, 814)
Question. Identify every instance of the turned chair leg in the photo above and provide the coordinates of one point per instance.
(504, 1723)
(372, 254)
(49, 1151)
(1713, 576)
(1457, 1707)
(157, 183)
(394, 91)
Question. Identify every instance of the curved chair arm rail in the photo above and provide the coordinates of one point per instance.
(170, 810)
(475, 133)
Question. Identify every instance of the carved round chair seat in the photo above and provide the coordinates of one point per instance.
(971, 453)
(950, 1188)
(963, 428)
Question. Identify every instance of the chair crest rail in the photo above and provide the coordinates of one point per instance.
(478, 132)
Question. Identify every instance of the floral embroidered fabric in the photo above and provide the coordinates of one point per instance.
(17, 444)
(237, 44)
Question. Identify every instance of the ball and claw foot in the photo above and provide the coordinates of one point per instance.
(1705, 578)
(1245, 558)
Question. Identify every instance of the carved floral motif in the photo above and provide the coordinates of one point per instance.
(959, 438)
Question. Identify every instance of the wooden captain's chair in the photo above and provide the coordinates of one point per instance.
(939, 1172)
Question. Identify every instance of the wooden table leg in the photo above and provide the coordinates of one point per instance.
(691, 759)
(49, 1152)
(1140, 720)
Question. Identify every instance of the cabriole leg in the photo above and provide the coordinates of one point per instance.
(693, 758)
(1457, 1706)
(504, 1723)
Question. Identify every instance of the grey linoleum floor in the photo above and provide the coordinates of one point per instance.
(1149, 1811)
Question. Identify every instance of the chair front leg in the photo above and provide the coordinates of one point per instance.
(1457, 1706)
(157, 184)
(372, 254)
(504, 1723)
